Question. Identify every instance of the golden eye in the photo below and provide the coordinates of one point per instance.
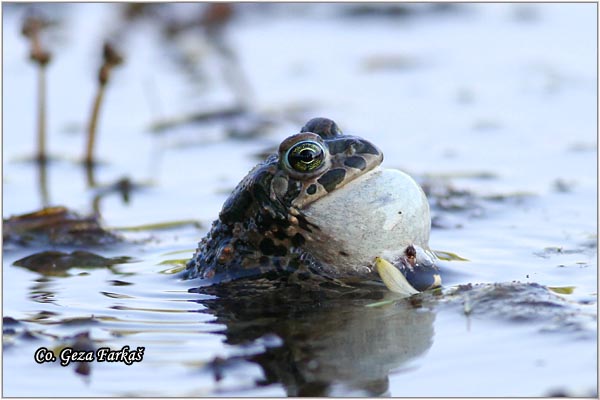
(305, 156)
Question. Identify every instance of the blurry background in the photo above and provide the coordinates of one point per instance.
(443, 88)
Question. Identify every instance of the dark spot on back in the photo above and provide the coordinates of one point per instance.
(264, 222)
(343, 253)
(280, 251)
(280, 235)
(298, 240)
(267, 247)
(312, 189)
(331, 178)
(356, 162)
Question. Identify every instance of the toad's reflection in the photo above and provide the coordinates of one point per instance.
(329, 346)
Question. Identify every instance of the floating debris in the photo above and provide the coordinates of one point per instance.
(162, 226)
(523, 302)
(562, 289)
(563, 186)
(448, 256)
(56, 226)
(554, 250)
(445, 197)
(176, 266)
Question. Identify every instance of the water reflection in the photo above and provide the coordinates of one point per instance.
(57, 263)
(43, 183)
(328, 346)
(42, 291)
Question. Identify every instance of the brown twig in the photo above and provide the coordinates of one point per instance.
(111, 59)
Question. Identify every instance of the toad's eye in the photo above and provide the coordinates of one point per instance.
(305, 156)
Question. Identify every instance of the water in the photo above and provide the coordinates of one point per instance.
(499, 101)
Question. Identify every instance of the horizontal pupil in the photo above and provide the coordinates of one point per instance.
(306, 155)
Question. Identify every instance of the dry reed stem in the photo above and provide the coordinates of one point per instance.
(32, 28)
(111, 59)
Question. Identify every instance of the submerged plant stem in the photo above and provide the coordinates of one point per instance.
(43, 183)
